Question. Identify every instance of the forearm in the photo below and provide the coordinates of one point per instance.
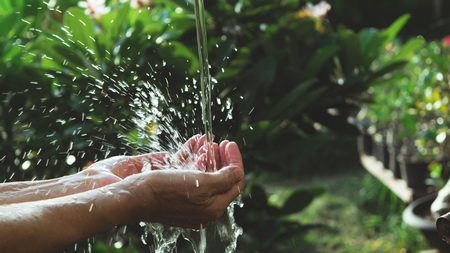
(52, 225)
(16, 192)
(97, 175)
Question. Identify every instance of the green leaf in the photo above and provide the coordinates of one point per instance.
(320, 57)
(10, 51)
(262, 73)
(410, 47)
(388, 69)
(9, 6)
(350, 53)
(297, 201)
(393, 30)
(9, 18)
(257, 81)
(116, 22)
(373, 41)
(81, 29)
(311, 97)
(291, 98)
(179, 57)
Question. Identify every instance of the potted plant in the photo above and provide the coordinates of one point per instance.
(417, 215)
(381, 114)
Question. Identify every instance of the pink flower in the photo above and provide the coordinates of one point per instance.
(95, 8)
(139, 3)
(316, 11)
(446, 41)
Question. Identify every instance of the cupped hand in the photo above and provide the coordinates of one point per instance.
(191, 198)
(198, 153)
(116, 168)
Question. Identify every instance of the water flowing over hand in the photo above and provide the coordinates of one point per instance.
(191, 198)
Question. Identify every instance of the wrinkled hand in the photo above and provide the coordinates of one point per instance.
(116, 168)
(195, 152)
(192, 154)
(192, 198)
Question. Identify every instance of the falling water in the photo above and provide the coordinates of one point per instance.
(220, 235)
(152, 123)
(205, 84)
(205, 77)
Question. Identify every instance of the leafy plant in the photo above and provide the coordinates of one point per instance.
(267, 227)
(294, 76)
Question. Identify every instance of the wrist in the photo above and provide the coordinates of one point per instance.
(140, 201)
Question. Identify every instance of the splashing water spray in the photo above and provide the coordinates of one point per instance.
(221, 235)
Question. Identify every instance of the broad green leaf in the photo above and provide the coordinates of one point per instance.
(114, 24)
(10, 51)
(9, 6)
(261, 74)
(296, 202)
(9, 18)
(385, 70)
(180, 57)
(81, 29)
(291, 98)
(410, 47)
(320, 57)
(258, 130)
(373, 41)
(393, 30)
(223, 52)
(305, 102)
(350, 52)
(257, 81)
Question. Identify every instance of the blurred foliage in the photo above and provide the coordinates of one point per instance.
(268, 227)
(414, 106)
(286, 71)
(428, 18)
(70, 80)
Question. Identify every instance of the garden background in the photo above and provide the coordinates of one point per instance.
(287, 84)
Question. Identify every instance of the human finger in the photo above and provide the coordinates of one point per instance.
(201, 163)
(222, 153)
(231, 159)
(233, 155)
(190, 146)
(227, 181)
(212, 157)
(152, 161)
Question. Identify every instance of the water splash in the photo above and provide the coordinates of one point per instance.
(154, 130)
(220, 235)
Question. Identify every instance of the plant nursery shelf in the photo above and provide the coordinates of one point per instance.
(397, 186)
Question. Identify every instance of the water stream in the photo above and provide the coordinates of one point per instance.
(156, 132)
(221, 235)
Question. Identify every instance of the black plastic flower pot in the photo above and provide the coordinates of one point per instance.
(382, 152)
(417, 215)
(413, 171)
(365, 144)
(394, 164)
